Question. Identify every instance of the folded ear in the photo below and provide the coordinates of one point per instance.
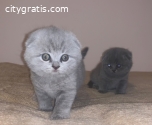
(84, 52)
(104, 56)
(77, 43)
(29, 41)
(128, 55)
(74, 39)
(31, 37)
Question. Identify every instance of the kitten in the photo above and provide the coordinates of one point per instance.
(55, 60)
(112, 72)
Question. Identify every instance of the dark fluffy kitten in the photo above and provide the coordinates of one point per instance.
(112, 72)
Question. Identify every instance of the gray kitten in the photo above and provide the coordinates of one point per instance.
(112, 72)
(55, 59)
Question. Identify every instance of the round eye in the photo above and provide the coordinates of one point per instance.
(46, 57)
(118, 66)
(64, 58)
(109, 65)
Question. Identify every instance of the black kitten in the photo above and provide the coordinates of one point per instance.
(112, 72)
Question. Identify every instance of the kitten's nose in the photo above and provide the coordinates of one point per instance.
(114, 70)
(55, 67)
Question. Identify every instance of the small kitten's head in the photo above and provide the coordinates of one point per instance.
(117, 62)
(53, 51)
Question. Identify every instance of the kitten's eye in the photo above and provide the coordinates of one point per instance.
(109, 65)
(46, 57)
(64, 58)
(118, 66)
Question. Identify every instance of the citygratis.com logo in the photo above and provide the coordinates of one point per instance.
(36, 9)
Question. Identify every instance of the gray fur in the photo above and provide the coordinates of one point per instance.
(106, 78)
(60, 84)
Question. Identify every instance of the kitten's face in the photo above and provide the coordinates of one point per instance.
(52, 51)
(117, 65)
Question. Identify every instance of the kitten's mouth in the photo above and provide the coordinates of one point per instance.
(114, 71)
(55, 70)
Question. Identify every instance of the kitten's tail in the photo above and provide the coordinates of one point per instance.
(84, 52)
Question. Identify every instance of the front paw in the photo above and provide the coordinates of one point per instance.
(47, 109)
(122, 87)
(90, 84)
(59, 116)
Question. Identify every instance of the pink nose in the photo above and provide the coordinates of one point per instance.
(55, 67)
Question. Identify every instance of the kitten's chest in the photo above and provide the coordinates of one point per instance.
(52, 89)
(112, 83)
(53, 86)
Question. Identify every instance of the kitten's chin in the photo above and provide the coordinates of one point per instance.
(47, 73)
(51, 72)
(116, 74)
(55, 72)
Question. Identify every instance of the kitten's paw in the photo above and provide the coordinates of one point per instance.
(122, 87)
(102, 91)
(46, 109)
(95, 86)
(59, 116)
(90, 84)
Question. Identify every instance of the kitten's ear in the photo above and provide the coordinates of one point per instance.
(31, 36)
(78, 43)
(128, 55)
(84, 52)
(103, 57)
(74, 39)
(29, 40)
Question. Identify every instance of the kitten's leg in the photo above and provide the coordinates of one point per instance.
(121, 89)
(90, 84)
(103, 87)
(63, 105)
(44, 101)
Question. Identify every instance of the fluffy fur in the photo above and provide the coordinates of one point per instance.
(56, 78)
(112, 72)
